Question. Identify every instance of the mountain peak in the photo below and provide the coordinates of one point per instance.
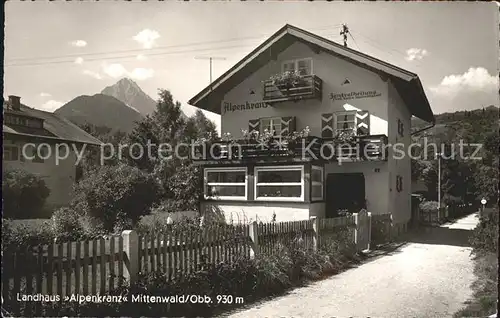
(129, 92)
(127, 80)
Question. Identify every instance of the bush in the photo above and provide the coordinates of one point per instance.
(429, 206)
(115, 194)
(24, 195)
(17, 236)
(484, 237)
(66, 224)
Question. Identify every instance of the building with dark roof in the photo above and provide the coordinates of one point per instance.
(44, 144)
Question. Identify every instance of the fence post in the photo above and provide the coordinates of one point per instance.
(131, 250)
(254, 236)
(315, 223)
(356, 230)
(369, 229)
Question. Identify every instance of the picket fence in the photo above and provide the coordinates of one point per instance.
(98, 266)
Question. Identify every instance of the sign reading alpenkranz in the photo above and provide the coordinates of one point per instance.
(230, 107)
(354, 95)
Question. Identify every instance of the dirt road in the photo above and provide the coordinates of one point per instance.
(430, 276)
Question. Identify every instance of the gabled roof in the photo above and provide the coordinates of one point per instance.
(54, 127)
(407, 83)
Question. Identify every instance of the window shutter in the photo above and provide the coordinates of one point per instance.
(254, 125)
(327, 125)
(363, 122)
(287, 125)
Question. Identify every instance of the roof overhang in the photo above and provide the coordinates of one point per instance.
(407, 83)
(11, 133)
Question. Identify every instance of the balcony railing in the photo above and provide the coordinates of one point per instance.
(362, 148)
(310, 87)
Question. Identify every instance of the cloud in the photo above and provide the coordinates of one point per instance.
(79, 43)
(92, 74)
(141, 57)
(415, 54)
(474, 80)
(147, 38)
(79, 60)
(116, 70)
(141, 73)
(45, 94)
(51, 105)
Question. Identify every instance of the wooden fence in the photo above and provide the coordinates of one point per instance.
(98, 266)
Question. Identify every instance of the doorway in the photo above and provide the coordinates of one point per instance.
(344, 191)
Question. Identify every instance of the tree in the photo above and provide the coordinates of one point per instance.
(199, 126)
(165, 126)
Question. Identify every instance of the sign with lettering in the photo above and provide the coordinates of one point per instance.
(230, 107)
(354, 95)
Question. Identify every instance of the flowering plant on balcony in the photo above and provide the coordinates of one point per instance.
(297, 136)
(345, 136)
(287, 79)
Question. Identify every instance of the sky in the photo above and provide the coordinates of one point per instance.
(56, 51)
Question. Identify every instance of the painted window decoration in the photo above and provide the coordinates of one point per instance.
(301, 66)
(279, 183)
(399, 183)
(225, 183)
(317, 183)
(271, 124)
(401, 130)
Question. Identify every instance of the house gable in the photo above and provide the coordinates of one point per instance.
(341, 80)
(407, 83)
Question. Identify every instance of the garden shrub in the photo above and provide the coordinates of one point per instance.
(24, 195)
(429, 206)
(113, 194)
(66, 224)
(17, 236)
(484, 237)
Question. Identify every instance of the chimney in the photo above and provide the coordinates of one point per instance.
(15, 102)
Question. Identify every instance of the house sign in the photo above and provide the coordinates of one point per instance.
(230, 107)
(354, 95)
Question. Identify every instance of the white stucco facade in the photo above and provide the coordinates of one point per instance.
(333, 71)
(340, 77)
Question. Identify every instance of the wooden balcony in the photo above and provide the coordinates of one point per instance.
(363, 148)
(310, 87)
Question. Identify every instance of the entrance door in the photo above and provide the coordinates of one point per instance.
(344, 191)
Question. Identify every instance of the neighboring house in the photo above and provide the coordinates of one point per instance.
(40, 133)
(340, 89)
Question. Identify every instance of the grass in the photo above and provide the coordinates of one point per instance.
(484, 302)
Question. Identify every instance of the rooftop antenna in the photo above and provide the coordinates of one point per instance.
(344, 32)
(210, 58)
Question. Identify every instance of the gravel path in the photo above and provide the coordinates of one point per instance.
(428, 277)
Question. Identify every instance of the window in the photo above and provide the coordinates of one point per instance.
(226, 183)
(316, 183)
(345, 121)
(39, 154)
(15, 120)
(10, 153)
(279, 183)
(271, 124)
(303, 66)
(35, 123)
